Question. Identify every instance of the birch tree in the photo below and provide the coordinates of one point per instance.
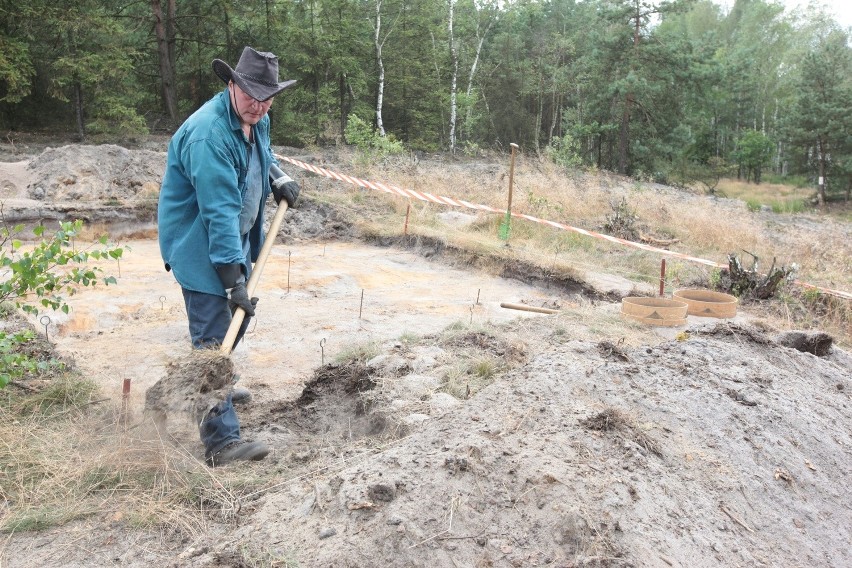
(489, 12)
(454, 73)
(379, 42)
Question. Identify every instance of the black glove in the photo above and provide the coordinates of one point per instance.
(238, 298)
(283, 186)
(234, 281)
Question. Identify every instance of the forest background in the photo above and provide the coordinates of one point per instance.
(674, 91)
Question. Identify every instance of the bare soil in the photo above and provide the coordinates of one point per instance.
(471, 435)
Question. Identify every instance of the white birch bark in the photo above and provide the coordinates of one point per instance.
(480, 41)
(379, 42)
(454, 55)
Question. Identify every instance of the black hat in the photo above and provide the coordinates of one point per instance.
(256, 74)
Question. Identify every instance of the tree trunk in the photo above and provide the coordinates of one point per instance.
(78, 93)
(266, 6)
(555, 104)
(539, 111)
(377, 28)
(624, 135)
(78, 110)
(171, 41)
(454, 56)
(341, 88)
(473, 66)
(163, 26)
(821, 169)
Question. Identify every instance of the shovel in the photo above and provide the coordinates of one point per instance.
(240, 314)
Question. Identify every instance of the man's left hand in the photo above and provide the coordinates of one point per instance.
(287, 189)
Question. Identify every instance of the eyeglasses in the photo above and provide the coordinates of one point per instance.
(247, 99)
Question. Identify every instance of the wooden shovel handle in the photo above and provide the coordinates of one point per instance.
(239, 313)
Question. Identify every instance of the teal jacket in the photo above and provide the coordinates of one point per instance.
(202, 195)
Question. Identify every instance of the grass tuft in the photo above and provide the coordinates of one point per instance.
(708, 227)
(64, 458)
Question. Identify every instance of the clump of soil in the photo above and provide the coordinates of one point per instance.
(334, 407)
(509, 352)
(349, 378)
(814, 342)
(615, 421)
(191, 384)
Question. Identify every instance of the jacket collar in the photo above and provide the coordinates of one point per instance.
(233, 120)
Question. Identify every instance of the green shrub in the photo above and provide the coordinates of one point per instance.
(368, 141)
(564, 152)
(39, 277)
(793, 206)
(753, 205)
(114, 118)
(799, 181)
(15, 362)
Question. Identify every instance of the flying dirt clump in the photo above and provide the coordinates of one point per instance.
(191, 385)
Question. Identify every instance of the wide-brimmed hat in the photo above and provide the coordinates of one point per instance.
(256, 74)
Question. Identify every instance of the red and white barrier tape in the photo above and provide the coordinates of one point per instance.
(442, 200)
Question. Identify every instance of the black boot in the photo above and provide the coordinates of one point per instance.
(220, 434)
(239, 395)
(239, 450)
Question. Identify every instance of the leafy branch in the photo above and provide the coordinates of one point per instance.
(41, 276)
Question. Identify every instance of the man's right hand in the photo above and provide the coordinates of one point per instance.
(239, 298)
(283, 186)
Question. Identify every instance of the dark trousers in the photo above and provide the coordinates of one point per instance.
(209, 317)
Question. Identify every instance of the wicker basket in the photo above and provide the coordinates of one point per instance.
(655, 311)
(708, 304)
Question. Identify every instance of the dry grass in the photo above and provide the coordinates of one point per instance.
(621, 423)
(704, 227)
(77, 458)
(780, 197)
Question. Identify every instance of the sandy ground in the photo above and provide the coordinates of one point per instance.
(595, 441)
(315, 318)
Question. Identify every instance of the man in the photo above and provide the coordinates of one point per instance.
(219, 171)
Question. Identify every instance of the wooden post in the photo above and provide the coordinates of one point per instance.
(511, 178)
(662, 277)
(407, 213)
(125, 399)
(506, 224)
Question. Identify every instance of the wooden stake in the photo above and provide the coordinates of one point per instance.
(662, 277)
(407, 214)
(526, 308)
(511, 177)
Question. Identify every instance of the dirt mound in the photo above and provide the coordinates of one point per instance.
(576, 459)
(92, 173)
(313, 220)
